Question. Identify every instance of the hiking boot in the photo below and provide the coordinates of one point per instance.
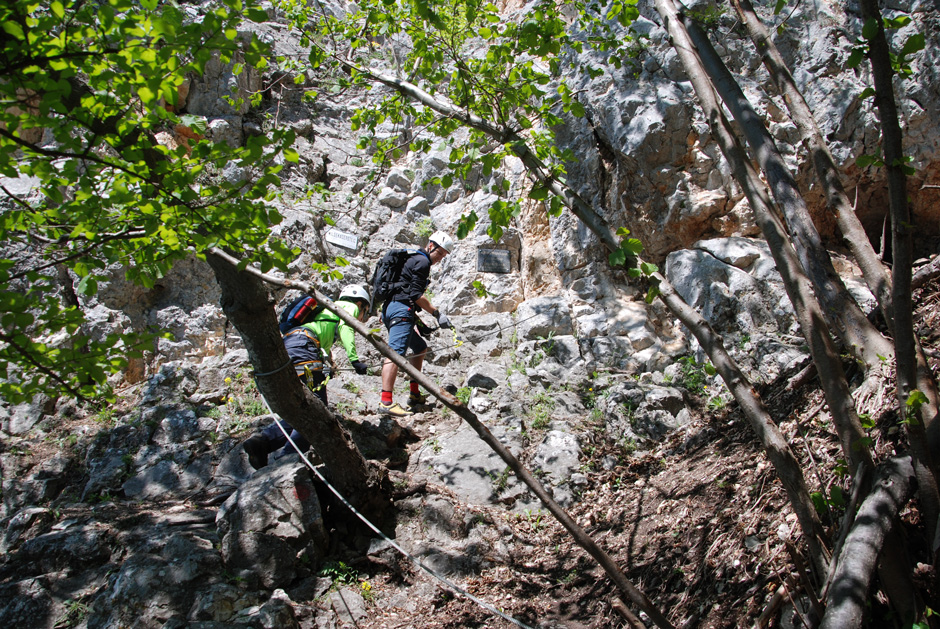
(415, 400)
(257, 449)
(395, 410)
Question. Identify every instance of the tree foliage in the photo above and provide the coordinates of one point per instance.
(514, 74)
(86, 87)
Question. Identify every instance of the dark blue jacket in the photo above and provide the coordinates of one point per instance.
(414, 280)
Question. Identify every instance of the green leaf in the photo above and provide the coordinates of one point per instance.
(466, 224)
(710, 369)
(819, 501)
(199, 124)
(870, 29)
(256, 15)
(538, 193)
(87, 286)
(13, 29)
(855, 58)
(897, 22)
(632, 245)
(867, 92)
(779, 6)
(916, 399)
(914, 43)
(837, 497)
(617, 258)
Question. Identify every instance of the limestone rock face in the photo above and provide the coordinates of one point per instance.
(735, 285)
(150, 588)
(646, 155)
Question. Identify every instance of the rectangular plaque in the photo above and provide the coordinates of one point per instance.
(343, 239)
(494, 261)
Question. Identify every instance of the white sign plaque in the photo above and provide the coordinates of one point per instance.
(343, 239)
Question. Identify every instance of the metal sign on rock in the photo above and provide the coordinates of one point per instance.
(343, 239)
(494, 261)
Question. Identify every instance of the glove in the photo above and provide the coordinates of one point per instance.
(442, 320)
(360, 367)
(423, 330)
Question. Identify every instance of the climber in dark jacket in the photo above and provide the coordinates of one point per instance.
(400, 316)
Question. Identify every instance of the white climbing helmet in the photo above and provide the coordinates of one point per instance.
(355, 292)
(443, 241)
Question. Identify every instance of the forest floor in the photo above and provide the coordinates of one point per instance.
(700, 525)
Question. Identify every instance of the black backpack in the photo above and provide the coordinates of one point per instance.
(298, 312)
(386, 278)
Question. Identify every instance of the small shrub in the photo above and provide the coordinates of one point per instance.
(540, 410)
(73, 614)
(692, 374)
(716, 403)
(424, 227)
(500, 481)
(339, 573)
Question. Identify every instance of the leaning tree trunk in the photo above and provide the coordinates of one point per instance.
(799, 289)
(250, 308)
(853, 233)
(775, 445)
(848, 596)
(853, 327)
(902, 259)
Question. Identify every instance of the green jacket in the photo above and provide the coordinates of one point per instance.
(325, 326)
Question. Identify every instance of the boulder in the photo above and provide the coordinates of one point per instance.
(271, 524)
(543, 317)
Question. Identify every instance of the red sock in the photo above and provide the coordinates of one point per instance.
(386, 397)
(414, 387)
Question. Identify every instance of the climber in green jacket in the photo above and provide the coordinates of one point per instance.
(308, 345)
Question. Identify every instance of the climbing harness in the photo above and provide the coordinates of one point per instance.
(394, 544)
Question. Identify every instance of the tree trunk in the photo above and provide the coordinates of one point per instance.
(902, 248)
(799, 290)
(851, 324)
(848, 597)
(250, 308)
(853, 233)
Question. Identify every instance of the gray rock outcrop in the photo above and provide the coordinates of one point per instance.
(271, 525)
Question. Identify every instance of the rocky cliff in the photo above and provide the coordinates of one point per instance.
(558, 354)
